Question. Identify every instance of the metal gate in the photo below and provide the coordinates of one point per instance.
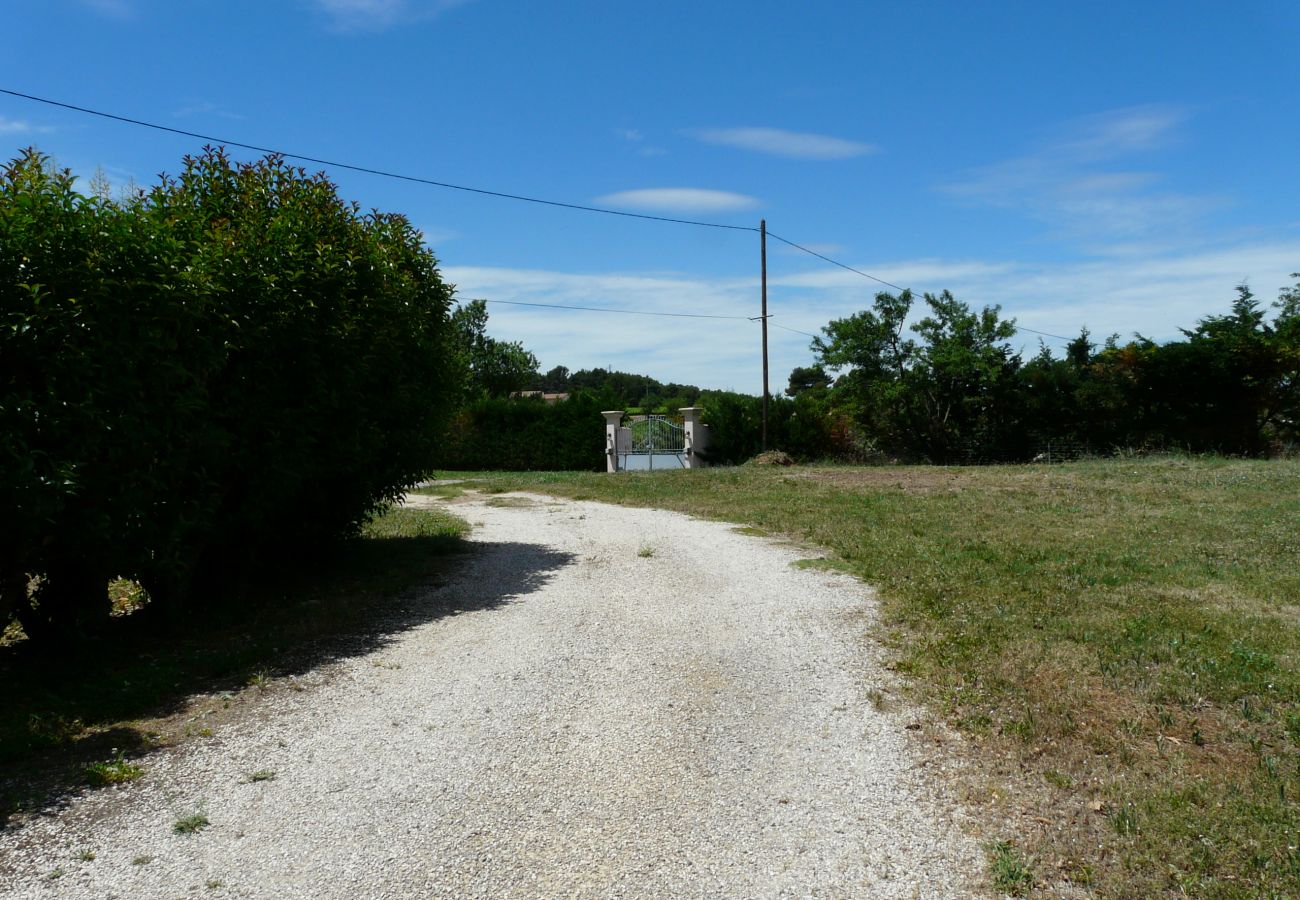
(650, 442)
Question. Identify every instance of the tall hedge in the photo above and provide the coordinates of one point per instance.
(225, 367)
(527, 434)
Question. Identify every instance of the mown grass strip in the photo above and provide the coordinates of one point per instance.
(1125, 632)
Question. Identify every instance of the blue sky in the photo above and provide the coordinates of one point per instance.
(1119, 166)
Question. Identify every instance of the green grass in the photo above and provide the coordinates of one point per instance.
(115, 771)
(131, 691)
(192, 823)
(1126, 632)
(1008, 869)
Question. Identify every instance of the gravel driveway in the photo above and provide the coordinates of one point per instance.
(633, 704)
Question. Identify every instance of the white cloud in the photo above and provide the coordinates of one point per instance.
(1063, 183)
(1154, 295)
(679, 200)
(18, 126)
(206, 108)
(376, 15)
(1120, 132)
(778, 142)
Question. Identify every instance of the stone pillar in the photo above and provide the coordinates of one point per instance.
(613, 418)
(697, 436)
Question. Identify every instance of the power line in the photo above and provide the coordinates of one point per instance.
(795, 330)
(835, 262)
(488, 193)
(366, 169)
(887, 284)
(626, 312)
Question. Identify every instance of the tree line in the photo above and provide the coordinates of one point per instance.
(950, 389)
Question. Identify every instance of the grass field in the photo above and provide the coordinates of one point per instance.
(1119, 639)
(91, 717)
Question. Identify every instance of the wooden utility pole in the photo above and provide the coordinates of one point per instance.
(762, 249)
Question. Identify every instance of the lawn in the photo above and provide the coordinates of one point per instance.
(1118, 640)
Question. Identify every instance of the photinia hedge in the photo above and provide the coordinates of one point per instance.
(232, 364)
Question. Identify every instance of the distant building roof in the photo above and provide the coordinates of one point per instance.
(548, 398)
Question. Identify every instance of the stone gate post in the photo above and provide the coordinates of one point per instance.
(613, 418)
(697, 436)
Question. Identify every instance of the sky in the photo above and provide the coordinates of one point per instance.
(1114, 166)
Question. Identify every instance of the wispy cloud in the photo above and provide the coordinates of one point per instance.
(637, 137)
(778, 142)
(1151, 294)
(377, 15)
(1078, 184)
(679, 200)
(205, 108)
(19, 126)
(708, 352)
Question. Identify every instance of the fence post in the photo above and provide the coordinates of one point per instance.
(613, 418)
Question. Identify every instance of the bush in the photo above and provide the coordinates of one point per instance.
(229, 366)
(527, 434)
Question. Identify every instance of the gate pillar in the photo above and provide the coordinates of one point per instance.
(613, 418)
(697, 436)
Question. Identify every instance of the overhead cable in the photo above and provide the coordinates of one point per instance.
(488, 193)
(366, 169)
(626, 312)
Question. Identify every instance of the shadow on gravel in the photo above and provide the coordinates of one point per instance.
(145, 685)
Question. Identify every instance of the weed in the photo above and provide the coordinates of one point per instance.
(141, 860)
(192, 823)
(260, 679)
(646, 551)
(1125, 821)
(115, 771)
(261, 775)
(213, 884)
(877, 698)
(1009, 869)
(55, 875)
(1059, 779)
(85, 854)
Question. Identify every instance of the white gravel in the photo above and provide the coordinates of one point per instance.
(636, 704)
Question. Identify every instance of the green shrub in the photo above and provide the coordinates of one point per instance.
(228, 366)
(527, 434)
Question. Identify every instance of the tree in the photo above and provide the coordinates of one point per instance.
(495, 368)
(807, 378)
(942, 398)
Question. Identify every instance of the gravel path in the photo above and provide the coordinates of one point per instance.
(635, 704)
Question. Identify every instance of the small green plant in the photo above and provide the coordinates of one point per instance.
(85, 854)
(877, 698)
(1125, 821)
(1009, 869)
(646, 551)
(1060, 779)
(55, 875)
(142, 860)
(213, 884)
(191, 824)
(261, 775)
(261, 679)
(115, 771)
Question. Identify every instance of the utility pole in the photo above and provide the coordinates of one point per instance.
(762, 246)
